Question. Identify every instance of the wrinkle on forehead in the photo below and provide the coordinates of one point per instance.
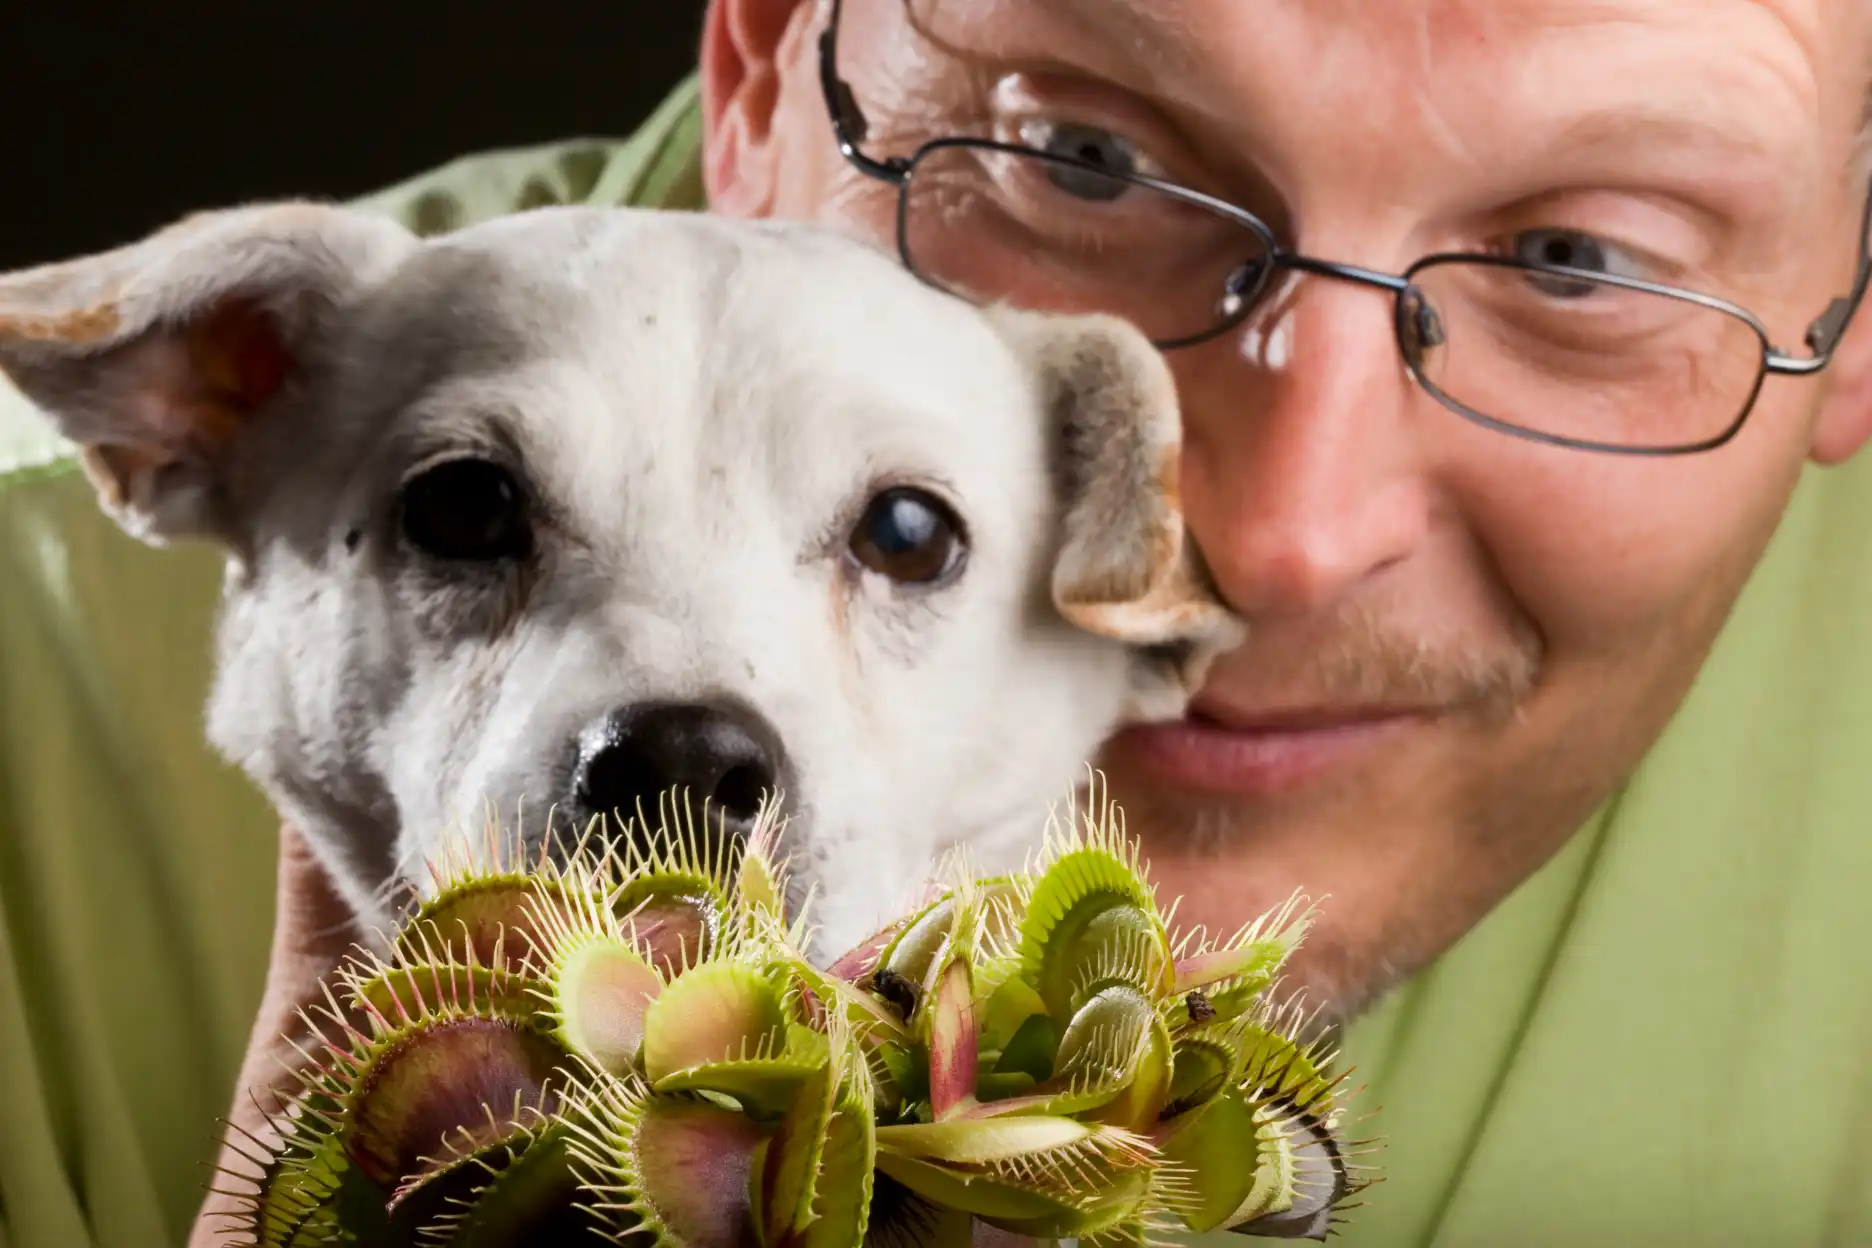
(1454, 147)
(1781, 45)
(1166, 36)
(1860, 13)
(1798, 41)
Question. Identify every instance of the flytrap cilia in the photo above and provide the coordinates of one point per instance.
(623, 1041)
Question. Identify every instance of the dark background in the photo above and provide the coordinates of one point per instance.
(115, 121)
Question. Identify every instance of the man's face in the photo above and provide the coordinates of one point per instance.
(1461, 642)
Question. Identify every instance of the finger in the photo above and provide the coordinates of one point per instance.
(312, 931)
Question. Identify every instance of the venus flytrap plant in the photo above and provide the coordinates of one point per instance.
(629, 1046)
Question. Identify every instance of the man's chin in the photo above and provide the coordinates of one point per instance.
(1226, 859)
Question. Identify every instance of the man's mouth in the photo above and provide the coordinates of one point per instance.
(1222, 752)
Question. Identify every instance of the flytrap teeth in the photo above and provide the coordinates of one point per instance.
(617, 1038)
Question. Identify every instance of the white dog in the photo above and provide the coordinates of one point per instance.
(583, 504)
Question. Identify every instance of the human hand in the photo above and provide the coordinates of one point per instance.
(312, 931)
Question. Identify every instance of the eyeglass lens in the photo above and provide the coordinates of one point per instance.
(1561, 355)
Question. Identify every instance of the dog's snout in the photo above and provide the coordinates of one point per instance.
(726, 754)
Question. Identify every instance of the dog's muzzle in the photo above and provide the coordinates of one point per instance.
(719, 752)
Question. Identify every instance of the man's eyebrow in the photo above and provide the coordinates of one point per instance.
(1736, 165)
(1141, 27)
(1630, 124)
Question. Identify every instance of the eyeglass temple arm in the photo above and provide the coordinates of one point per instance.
(849, 126)
(1824, 335)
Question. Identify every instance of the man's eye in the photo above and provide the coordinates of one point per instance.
(1090, 145)
(1571, 249)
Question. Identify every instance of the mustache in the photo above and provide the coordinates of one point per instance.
(1363, 657)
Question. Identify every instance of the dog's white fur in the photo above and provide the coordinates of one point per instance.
(699, 409)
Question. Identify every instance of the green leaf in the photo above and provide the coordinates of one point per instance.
(990, 1086)
(1202, 1070)
(1116, 1043)
(517, 1190)
(814, 1188)
(786, 1169)
(952, 1040)
(601, 992)
(900, 1218)
(974, 1142)
(533, 1201)
(1130, 1232)
(674, 930)
(1031, 1050)
(675, 1170)
(1092, 922)
(1250, 968)
(862, 958)
(448, 1085)
(1233, 976)
(398, 991)
(1272, 1189)
(1276, 1067)
(759, 888)
(983, 1194)
(673, 900)
(1217, 1147)
(1316, 1181)
(481, 920)
(913, 953)
(842, 1197)
(1012, 1003)
(905, 1072)
(306, 1195)
(714, 1013)
(763, 1086)
(870, 1019)
(1114, 1206)
(1067, 1190)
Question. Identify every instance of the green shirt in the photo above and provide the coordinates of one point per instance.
(1663, 1038)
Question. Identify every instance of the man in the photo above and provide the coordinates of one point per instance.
(1557, 686)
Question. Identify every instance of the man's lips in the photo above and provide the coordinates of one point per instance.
(1226, 752)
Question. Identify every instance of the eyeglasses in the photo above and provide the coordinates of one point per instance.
(1549, 349)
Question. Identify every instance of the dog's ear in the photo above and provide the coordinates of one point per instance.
(1127, 568)
(155, 357)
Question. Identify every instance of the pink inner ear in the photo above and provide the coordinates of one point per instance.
(182, 393)
(239, 355)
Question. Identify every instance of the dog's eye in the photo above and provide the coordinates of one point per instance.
(908, 536)
(467, 509)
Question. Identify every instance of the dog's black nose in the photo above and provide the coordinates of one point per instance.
(721, 752)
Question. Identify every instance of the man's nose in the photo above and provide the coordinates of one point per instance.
(1302, 473)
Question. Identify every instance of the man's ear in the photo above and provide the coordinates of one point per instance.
(1127, 568)
(155, 357)
(746, 45)
(1845, 420)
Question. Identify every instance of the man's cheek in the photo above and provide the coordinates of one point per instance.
(1620, 544)
(852, 202)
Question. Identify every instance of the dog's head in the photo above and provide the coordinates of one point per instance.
(582, 504)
